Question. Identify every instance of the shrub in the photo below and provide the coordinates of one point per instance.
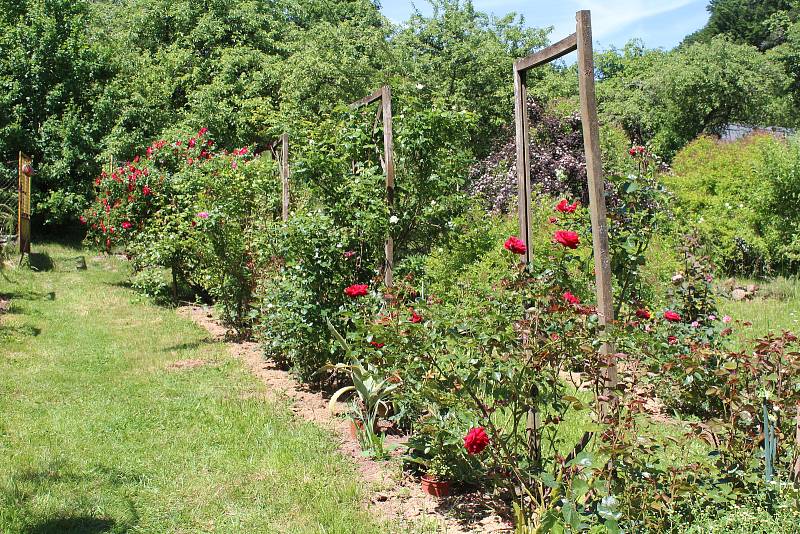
(204, 214)
(778, 204)
(715, 186)
(336, 238)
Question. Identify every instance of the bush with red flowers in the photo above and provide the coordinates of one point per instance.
(151, 207)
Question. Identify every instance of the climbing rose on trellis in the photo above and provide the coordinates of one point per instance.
(476, 440)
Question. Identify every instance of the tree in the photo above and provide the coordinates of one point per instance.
(465, 57)
(745, 21)
(668, 99)
(51, 79)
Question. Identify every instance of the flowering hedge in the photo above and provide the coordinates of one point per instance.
(205, 214)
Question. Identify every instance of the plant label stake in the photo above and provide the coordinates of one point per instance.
(384, 95)
(24, 204)
(580, 41)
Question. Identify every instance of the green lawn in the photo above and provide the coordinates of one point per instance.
(776, 307)
(98, 434)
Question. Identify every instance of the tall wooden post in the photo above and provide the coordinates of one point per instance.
(388, 148)
(25, 170)
(285, 177)
(523, 161)
(581, 41)
(597, 198)
(385, 109)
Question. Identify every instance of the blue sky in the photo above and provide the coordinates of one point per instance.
(660, 23)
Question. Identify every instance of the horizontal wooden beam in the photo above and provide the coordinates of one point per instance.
(374, 97)
(551, 53)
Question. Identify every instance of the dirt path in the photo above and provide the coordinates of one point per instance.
(393, 495)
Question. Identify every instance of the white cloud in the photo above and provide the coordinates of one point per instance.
(611, 16)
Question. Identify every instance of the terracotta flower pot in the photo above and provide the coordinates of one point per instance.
(436, 487)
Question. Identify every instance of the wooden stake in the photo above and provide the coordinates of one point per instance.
(597, 199)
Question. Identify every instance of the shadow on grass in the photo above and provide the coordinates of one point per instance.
(75, 525)
(29, 483)
(41, 262)
(191, 345)
(25, 294)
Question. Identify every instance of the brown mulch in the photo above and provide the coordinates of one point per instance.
(393, 495)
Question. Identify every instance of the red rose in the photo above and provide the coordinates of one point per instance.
(641, 313)
(672, 316)
(515, 245)
(567, 238)
(202, 132)
(356, 290)
(82, 219)
(415, 317)
(476, 440)
(672, 340)
(571, 299)
(553, 220)
(376, 344)
(126, 225)
(565, 207)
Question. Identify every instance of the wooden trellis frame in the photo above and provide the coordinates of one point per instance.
(580, 41)
(384, 95)
(283, 162)
(24, 204)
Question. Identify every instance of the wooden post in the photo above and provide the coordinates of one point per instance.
(581, 41)
(285, 177)
(388, 148)
(384, 94)
(597, 198)
(524, 199)
(24, 204)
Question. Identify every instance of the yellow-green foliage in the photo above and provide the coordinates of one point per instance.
(716, 190)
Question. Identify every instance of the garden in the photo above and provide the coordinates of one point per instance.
(380, 262)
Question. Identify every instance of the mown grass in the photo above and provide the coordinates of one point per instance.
(776, 307)
(99, 434)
